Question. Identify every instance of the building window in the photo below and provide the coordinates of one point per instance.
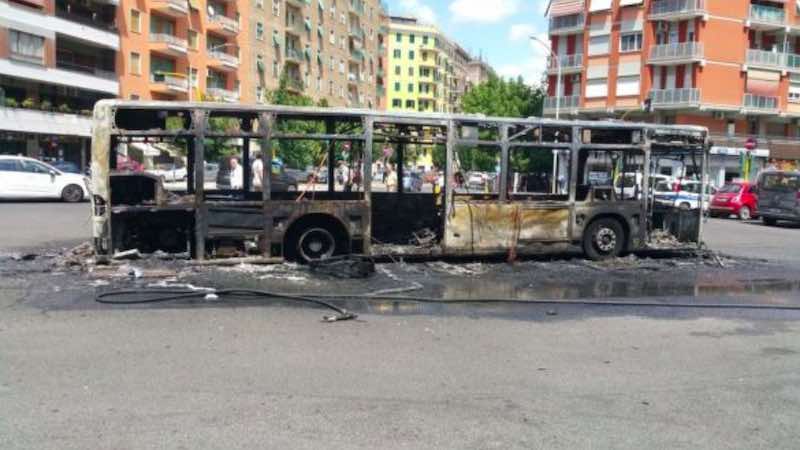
(396, 54)
(598, 45)
(136, 21)
(260, 31)
(192, 38)
(411, 71)
(26, 47)
(259, 5)
(275, 68)
(411, 38)
(630, 42)
(411, 55)
(276, 8)
(399, 37)
(397, 87)
(397, 70)
(628, 85)
(410, 87)
(194, 75)
(424, 40)
(136, 64)
(397, 103)
(410, 104)
(134, 97)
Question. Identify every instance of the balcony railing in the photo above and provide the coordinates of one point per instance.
(293, 54)
(760, 102)
(565, 102)
(223, 94)
(674, 96)
(767, 14)
(663, 8)
(169, 39)
(171, 81)
(676, 52)
(295, 83)
(96, 71)
(566, 24)
(766, 58)
(225, 22)
(224, 58)
(94, 20)
(567, 62)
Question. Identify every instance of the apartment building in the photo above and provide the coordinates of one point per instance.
(478, 71)
(183, 50)
(57, 58)
(730, 65)
(426, 70)
(326, 49)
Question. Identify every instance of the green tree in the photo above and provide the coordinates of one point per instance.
(294, 153)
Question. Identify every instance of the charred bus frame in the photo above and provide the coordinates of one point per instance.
(135, 211)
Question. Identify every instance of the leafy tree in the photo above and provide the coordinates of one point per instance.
(297, 154)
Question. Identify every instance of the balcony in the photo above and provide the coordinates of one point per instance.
(760, 103)
(567, 104)
(172, 8)
(50, 75)
(44, 122)
(682, 52)
(223, 24)
(357, 7)
(766, 17)
(168, 43)
(671, 98)
(167, 83)
(100, 18)
(356, 33)
(352, 78)
(567, 24)
(223, 61)
(89, 70)
(299, 4)
(294, 84)
(677, 9)
(293, 55)
(569, 63)
(222, 95)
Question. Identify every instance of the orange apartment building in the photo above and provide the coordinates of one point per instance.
(730, 65)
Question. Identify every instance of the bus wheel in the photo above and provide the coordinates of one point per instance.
(72, 193)
(315, 244)
(605, 238)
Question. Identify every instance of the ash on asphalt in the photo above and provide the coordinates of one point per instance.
(535, 289)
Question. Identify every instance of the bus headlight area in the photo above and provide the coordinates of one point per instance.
(312, 183)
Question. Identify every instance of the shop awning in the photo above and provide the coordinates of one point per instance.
(763, 82)
(565, 7)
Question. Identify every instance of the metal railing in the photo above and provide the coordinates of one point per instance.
(766, 58)
(223, 94)
(96, 71)
(293, 53)
(672, 7)
(567, 23)
(224, 58)
(92, 20)
(568, 62)
(674, 96)
(767, 14)
(169, 39)
(225, 22)
(752, 101)
(564, 102)
(676, 51)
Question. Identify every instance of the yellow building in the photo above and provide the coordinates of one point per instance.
(425, 70)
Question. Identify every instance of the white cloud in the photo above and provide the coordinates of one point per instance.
(520, 31)
(418, 9)
(482, 11)
(532, 62)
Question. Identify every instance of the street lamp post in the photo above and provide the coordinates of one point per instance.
(554, 57)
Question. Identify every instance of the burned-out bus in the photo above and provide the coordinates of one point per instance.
(375, 182)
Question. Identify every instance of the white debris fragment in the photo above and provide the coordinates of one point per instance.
(127, 254)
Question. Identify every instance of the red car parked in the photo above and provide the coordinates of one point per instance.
(735, 198)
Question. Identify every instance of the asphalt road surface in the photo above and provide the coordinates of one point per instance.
(277, 377)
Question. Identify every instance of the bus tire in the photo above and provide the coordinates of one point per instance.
(603, 239)
(72, 193)
(769, 221)
(314, 238)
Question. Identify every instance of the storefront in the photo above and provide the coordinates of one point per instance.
(736, 163)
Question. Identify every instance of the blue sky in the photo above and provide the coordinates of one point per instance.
(497, 29)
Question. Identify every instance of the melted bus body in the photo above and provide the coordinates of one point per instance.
(372, 182)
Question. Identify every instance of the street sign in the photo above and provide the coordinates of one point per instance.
(750, 144)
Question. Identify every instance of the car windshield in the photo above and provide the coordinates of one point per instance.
(732, 188)
(781, 182)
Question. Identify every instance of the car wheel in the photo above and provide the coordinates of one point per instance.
(72, 193)
(605, 238)
(769, 221)
(744, 213)
(315, 244)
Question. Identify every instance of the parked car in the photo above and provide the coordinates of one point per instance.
(22, 177)
(280, 180)
(779, 196)
(684, 194)
(736, 198)
(169, 172)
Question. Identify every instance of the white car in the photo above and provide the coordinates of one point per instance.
(169, 173)
(686, 196)
(22, 177)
